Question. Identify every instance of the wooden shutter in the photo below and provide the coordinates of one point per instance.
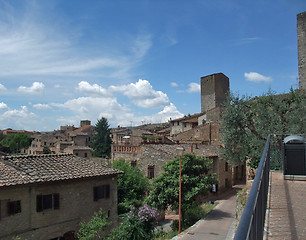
(107, 191)
(10, 208)
(56, 203)
(95, 193)
(39, 203)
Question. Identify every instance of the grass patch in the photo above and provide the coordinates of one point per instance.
(207, 207)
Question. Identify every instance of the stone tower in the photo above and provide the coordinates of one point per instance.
(213, 91)
(85, 123)
(301, 36)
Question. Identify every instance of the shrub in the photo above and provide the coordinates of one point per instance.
(137, 225)
(94, 229)
(193, 214)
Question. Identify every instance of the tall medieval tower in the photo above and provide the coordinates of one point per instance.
(213, 91)
(301, 36)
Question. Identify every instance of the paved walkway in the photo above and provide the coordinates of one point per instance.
(287, 209)
(219, 223)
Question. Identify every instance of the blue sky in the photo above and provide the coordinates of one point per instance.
(137, 61)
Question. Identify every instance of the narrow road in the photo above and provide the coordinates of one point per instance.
(218, 224)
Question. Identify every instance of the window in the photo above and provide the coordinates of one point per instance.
(13, 207)
(44, 202)
(178, 123)
(150, 172)
(101, 192)
(133, 163)
(226, 167)
(185, 124)
(85, 155)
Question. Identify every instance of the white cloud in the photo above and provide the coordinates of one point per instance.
(91, 90)
(20, 119)
(141, 46)
(40, 106)
(168, 112)
(174, 84)
(194, 87)
(243, 41)
(35, 46)
(36, 88)
(3, 105)
(2, 87)
(94, 108)
(142, 94)
(256, 77)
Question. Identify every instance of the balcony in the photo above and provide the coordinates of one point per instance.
(276, 207)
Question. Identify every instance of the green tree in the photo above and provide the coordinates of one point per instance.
(46, 150)
(247, 122)
(132, 186)
(2, 148)
(101, 140)
(15, 142)
(195, 181)
(94, 229)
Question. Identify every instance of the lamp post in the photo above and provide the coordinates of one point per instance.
(180, 152)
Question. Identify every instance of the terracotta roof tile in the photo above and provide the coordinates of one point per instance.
(16, 170)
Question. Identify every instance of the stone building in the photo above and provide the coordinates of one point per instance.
(58, 140)
(150, 159)
(47, 196)
(80, 151)
(198, 133)
(184, 124)
(301, 35)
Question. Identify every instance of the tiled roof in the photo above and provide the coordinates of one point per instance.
(74, 134)
(188, 117)
(80, 129)
(26, 169)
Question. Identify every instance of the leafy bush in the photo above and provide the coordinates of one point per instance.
(132, 186)
(93, 229)
(137, 225)
(192, 215)
(175, 225)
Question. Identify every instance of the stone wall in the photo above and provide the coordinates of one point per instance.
(76, 204)
(157, 155)
(214, 114)
(207, 133)
(301, 35)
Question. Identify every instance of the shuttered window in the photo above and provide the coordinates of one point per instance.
(13, 207)
(101, 192)
(49, 201)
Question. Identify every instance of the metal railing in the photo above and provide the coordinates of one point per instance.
(251, 225)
